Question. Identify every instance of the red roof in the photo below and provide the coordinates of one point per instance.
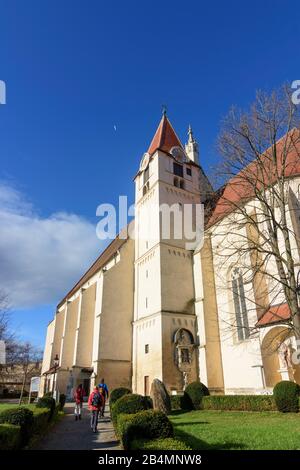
(275, 314)
(165, 137)
(241, 187)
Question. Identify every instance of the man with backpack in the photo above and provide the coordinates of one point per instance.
(95, 403)
(78, 397)
(103, 389)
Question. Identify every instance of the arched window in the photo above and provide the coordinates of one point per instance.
(239, 301)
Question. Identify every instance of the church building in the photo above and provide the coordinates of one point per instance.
(151, 306)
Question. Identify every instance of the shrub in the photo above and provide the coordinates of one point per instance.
(193, 395)
(47, 402)
(41, 418)
(286, 396)
(168, 443)
(10, 437)
(239, 403)
(178, 402)
(148, 401)
(118, 393)
(129, 404)
(149, 424)
(62, 401)
(20, 416)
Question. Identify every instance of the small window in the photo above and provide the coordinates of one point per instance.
(189, 171)
(146, 348)
(145, 188)
(146, 174)
(146, 245)
(146, 302)
(181, 184)
(176, 182)
(147, 273)
(178, 169)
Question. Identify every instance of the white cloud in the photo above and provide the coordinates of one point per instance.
(41, 258)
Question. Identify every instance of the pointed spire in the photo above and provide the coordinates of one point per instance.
(165, 137)
(192, 148)
(190, 134)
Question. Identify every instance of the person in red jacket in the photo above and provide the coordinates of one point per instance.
(78, 397)
(95, 404)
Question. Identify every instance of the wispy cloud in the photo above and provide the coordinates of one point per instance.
(41, 257)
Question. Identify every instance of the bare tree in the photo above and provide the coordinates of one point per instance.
(5, 334)
(257, 212)
(21, 358)
(28, 358)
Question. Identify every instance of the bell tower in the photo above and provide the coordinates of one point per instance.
(169, 180)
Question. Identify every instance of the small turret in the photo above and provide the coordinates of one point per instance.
(192, 147)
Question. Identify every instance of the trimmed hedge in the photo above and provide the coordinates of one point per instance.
(286, 395)
(118, 393)
(41, 418)
(47, 402)
(20, 416)
(149, 424)
(168, 443)
(10, 436)
(129, 404)
(239, 403)
(193, 395)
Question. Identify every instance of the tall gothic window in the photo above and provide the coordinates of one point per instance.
(240, 308)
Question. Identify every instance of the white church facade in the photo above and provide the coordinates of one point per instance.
(152, 307)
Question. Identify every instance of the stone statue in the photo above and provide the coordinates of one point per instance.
(185, 380)
(284, 353)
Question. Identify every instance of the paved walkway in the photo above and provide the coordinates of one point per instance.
(69, 434)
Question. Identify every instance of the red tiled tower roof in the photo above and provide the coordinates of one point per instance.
(165, 137)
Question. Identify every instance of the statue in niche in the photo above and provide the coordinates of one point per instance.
(284, 352)
(184, 347)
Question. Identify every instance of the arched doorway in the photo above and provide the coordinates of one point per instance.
(277, 349)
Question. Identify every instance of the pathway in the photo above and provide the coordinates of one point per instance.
(69, 434)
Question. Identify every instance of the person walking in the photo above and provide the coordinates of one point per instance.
(103, 389)
(78, 397)
(95, 403)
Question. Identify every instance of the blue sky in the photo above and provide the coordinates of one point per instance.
(74, 70)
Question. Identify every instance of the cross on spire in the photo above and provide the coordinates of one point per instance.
(164, 109)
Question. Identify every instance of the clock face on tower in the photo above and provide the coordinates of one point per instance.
(178, 153)
(144, 161)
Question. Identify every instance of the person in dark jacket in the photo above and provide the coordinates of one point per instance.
(103, 389)
(78, 397)
(95, 403)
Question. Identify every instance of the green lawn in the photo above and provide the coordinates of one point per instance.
(238, 430)
(7, 406)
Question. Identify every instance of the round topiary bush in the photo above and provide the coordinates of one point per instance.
(47, 402)
(193, 395)
(148, 424)
(22, 417)
(286, 395)
(129, 404)
(118, 393)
